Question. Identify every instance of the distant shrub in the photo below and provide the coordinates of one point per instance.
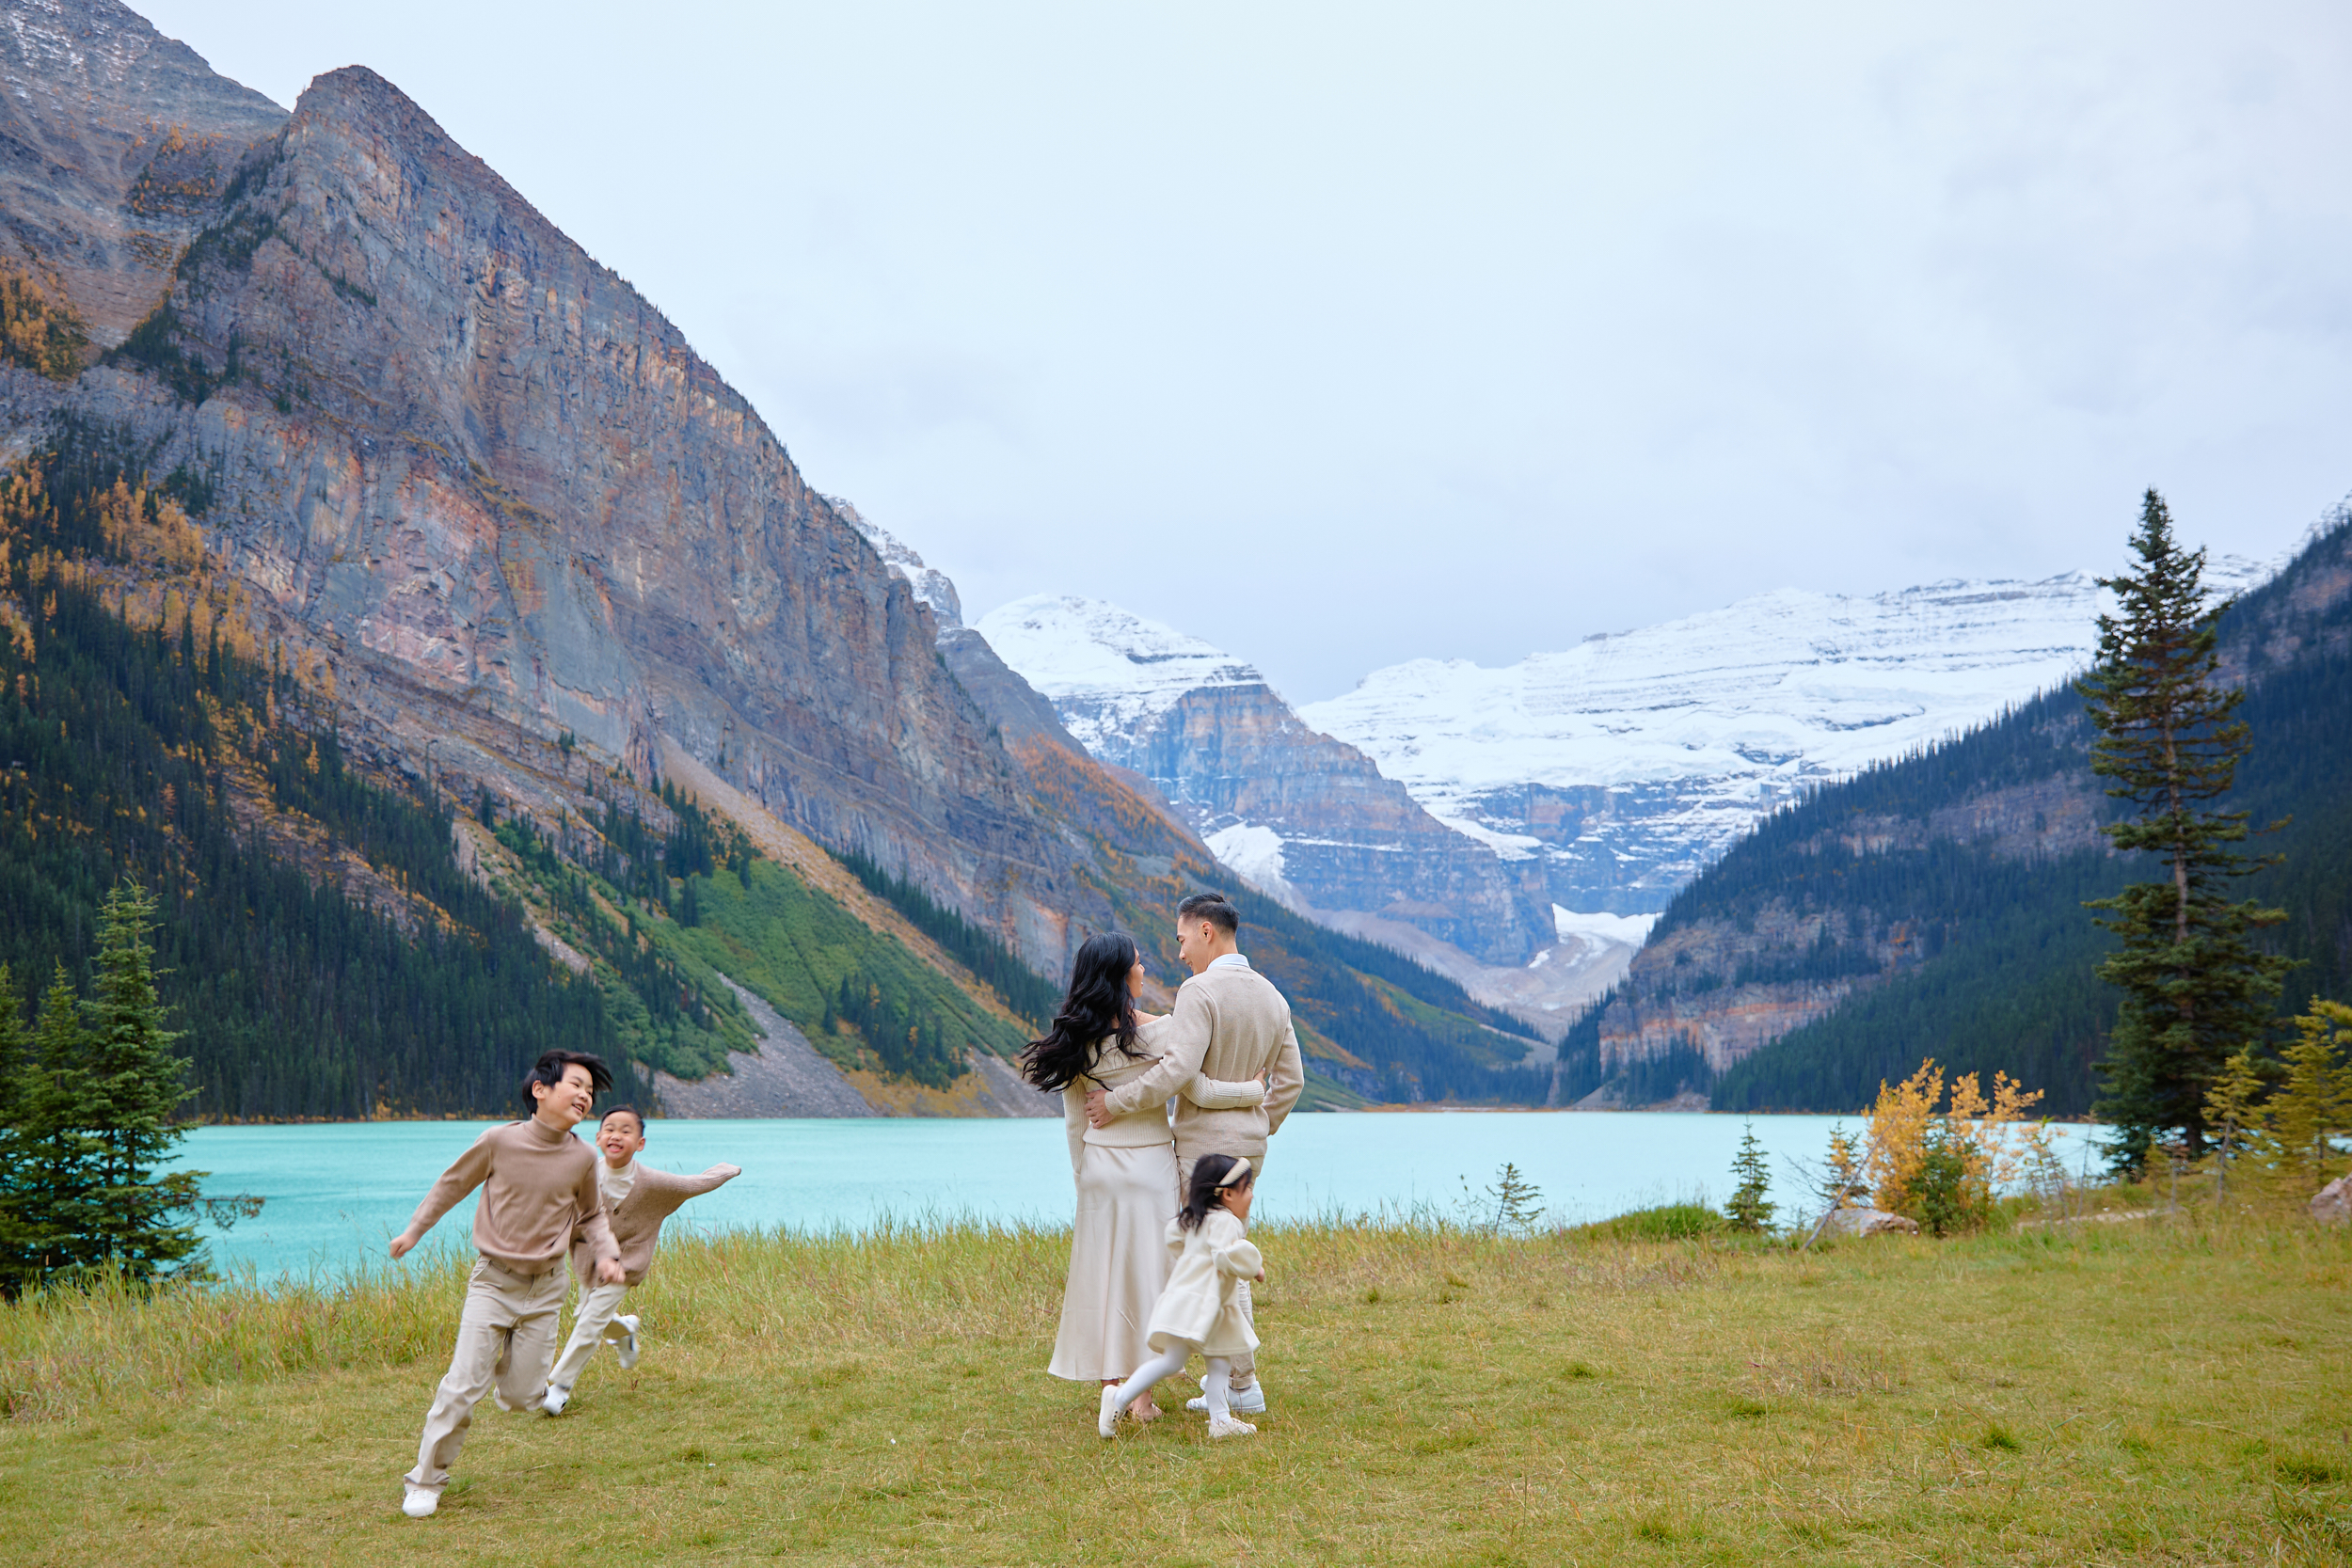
(1672, 1222)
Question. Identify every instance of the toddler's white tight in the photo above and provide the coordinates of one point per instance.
(1215, 1386)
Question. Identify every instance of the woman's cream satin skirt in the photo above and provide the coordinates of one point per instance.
(1118, 1260)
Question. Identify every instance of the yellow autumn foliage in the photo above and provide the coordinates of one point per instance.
(1997, 1143)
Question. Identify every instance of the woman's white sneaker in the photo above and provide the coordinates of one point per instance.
(419, 1502)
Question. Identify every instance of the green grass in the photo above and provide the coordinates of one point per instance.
(2166, 1393)
(1670, 1222)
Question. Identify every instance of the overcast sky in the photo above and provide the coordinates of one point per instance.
(1349, 333)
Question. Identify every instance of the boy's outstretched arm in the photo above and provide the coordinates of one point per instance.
(470, 1171)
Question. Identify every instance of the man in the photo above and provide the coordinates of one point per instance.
(538, 1187)
(1230, 1023)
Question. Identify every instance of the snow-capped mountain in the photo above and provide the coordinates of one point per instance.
(1305, 817)
(1627, 763)
(1112, 676)
(930, 585)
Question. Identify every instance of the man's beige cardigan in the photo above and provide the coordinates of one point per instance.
(1229, 1023)
(654, 1196)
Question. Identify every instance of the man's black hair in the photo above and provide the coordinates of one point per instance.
(616, 1110)
(549, 1069)
(1212, 907)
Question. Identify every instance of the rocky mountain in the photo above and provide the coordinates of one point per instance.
(114, 146)
(477, 477)
(1933, 904)
(1310, 820)
(932, 587)
(1619, 768)
(314, 411)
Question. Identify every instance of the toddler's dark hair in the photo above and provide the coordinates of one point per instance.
(630, 1111)
(1203, 1194)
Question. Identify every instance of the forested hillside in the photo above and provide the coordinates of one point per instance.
(1933, 906)
(319, 947)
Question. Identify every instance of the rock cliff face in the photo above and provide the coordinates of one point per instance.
(486, 491)
(114, 145)
(1307, 818)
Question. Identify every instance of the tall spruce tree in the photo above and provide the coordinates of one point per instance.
(2195, 987)
(49, 1202)
(135, 1087)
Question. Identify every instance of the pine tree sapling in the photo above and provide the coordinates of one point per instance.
(2313, 1106)
(2235, 1123)
(1516, 1202)
(1750, 1208)
(2195, 987)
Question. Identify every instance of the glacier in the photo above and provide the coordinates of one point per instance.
(1627, 763)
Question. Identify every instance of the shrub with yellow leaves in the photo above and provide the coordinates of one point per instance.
(1941, 1166)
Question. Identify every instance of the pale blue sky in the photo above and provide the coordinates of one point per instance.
(1341, 335)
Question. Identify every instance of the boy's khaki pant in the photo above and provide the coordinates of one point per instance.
(592, 1328)
(505, 1338)
(1245, 1365)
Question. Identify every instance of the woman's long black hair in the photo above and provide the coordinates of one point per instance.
(1205, 1194)
(1096, 1007)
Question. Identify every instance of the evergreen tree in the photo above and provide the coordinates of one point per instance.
(134, 1089)
(2194, 987)
(2314, 1104)
(16, 1090)
(49, 1203)
(1749, 1208)
(2234, 1118)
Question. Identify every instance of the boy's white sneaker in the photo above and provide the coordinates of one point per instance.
(628, 1348)
(1225, 1426)
(1250, 1400)
(419, 1502)
(553, 1401)
(1107, 1414)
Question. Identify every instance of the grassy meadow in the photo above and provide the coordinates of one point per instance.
(2152, 1392)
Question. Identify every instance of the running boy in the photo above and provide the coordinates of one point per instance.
(637, 1198)
(538, 1188)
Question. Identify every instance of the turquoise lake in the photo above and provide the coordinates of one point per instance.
(336, 1192)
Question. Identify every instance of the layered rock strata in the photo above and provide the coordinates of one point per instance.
(115, 144)
(482, 487)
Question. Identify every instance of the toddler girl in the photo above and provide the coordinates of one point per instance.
(1197, 1311)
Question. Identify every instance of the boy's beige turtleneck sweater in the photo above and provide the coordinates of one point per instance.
(538, 1187)
(654, 1195)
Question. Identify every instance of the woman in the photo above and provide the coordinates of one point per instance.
(1126, 1172)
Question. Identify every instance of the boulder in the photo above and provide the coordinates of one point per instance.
(2334, 1204)
(1868, 1222)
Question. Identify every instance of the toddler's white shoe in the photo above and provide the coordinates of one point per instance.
(1106, 1415)
(554, 1399)
(627, 1351)
(419, 1502)
(1225, 1426)
(1250, 1400)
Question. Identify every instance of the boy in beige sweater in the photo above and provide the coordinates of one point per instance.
(638, 1198)
(538, 1192)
